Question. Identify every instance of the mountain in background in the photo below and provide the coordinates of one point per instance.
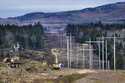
(111, 13)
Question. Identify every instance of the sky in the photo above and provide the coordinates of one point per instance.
(11, 8)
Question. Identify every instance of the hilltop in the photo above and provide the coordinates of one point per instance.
(110, 13)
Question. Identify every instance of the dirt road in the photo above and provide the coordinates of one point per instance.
(103, 77)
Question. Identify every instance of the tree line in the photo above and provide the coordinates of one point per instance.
(85, 32)
(28, 36)
(92, 30)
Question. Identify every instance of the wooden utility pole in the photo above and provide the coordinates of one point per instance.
(106, 54)
(103, 57)
(77, 55)
(114, 48)
(68, 51)
(114, 54)
(90, 56)
(99, 47)
(83, 56)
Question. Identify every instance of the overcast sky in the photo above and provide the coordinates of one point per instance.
(9, 8)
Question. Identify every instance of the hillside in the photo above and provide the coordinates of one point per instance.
(107, 13)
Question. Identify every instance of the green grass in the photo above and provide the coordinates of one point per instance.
(1, 81)
(98, 81)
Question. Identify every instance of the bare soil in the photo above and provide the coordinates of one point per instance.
(104, 77)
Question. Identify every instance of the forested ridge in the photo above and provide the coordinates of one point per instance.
(93, 30)
(28, 37)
